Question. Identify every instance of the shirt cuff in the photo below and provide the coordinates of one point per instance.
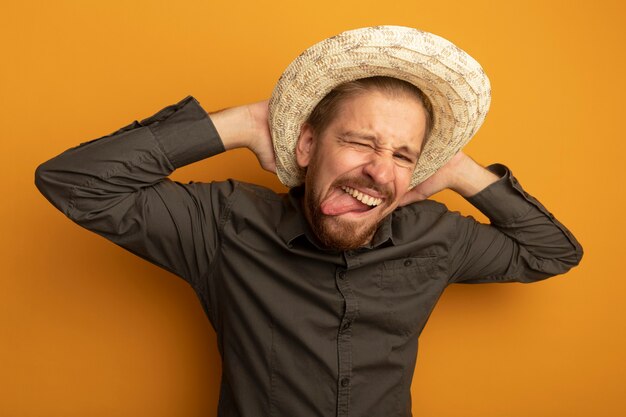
(185, 132)
(505, 200)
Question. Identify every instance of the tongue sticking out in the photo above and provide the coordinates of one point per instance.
(341, 204)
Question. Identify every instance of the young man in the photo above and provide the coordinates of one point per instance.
(318, 296)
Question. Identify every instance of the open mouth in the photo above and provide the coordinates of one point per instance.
(345, 199)
(368, 200)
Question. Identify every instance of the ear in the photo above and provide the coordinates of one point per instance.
(305, 145)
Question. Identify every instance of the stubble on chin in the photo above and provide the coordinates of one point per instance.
(334, 232)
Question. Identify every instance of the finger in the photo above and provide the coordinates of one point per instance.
(269, 165)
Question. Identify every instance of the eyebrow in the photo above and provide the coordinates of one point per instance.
(373, 138)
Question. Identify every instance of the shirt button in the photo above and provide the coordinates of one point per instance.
(346, 326)
(342, 274)
(345, 382)
(408, 262)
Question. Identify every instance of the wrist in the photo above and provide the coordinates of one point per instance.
(234, 125)
(470, 177)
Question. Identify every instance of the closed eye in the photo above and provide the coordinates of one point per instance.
(404, 158)
(362, 144)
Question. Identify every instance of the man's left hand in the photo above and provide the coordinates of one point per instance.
(461, 174)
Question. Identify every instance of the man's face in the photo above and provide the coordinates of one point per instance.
(360, 166)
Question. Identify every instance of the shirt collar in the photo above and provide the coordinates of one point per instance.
(293, 225)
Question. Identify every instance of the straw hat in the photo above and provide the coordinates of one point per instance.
(455, 83)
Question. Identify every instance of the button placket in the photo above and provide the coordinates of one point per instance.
(344, 342)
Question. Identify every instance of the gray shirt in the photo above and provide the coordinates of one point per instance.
(302, 330)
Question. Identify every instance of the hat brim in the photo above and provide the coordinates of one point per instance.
(454, 82)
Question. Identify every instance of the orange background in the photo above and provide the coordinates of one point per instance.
(90, 330)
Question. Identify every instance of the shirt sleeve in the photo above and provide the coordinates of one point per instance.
(116, 186)
(523, 243)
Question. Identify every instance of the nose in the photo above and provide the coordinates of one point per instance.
(380, 169)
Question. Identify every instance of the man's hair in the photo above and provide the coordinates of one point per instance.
(325, 111)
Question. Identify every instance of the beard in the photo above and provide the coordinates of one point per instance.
(335, 232)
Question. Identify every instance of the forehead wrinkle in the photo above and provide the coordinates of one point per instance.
(372, 137)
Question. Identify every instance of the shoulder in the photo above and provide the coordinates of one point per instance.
(230, 191)
(421, 208)
(238, 199)
(426, 220)
(255, 195)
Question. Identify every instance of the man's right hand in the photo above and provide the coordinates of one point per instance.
(247, 126)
